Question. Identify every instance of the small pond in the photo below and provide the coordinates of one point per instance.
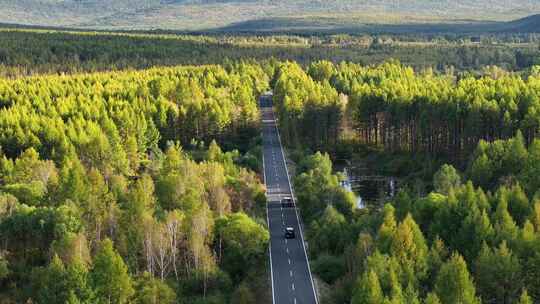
(369, 187)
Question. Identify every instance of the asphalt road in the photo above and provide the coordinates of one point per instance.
(291, 277)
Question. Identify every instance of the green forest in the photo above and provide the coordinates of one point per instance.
(131, 166)
(36, 51)
(114, 188)
(474, 236)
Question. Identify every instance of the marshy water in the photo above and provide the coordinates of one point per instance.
(369, 187)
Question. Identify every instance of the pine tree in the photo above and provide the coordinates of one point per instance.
(505, 227)
(527, 238)
(446, 178)
(109, 276)
(438, 253)
(498, 274)
(531, 169)
(531, 271)
(387, 229)
(73, 181)
(411, 295)
(517, 153)
(518, 204)
(409, 247)
(368, 290)
(396, 292)
(454, 284)
(481, 171)
(138, 208)
(50, 284)
(214, 152)
(475, 230)
(58, 283)
(535, 216)
(78, 282)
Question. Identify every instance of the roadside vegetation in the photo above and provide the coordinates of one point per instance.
(113, 188)
(472, 235)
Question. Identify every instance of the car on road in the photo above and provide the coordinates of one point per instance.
(289, 233)
(287, 202)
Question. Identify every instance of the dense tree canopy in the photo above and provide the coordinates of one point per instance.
(31, 51)
(139, 186)
(472, 239)
(114, 188)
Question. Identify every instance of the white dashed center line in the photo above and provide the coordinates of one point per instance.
(280, 185)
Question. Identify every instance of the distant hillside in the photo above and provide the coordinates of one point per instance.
(325, 24)
(211, 14)
(529, 24)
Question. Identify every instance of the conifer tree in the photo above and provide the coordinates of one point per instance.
(409, 247)
(454, 284)
(446, 178)
(387, 229)
(505, 227)
(531, 169)
(498, 274)
(368, 290)
(109, 276)
(58, 283)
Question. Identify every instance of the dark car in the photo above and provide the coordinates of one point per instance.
(287, 202)
(289, 233)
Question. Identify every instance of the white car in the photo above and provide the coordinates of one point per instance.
(289, 233)
(287, 202)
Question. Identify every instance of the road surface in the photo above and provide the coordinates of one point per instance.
(291, 277)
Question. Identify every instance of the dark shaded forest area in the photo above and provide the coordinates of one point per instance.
(27, 51)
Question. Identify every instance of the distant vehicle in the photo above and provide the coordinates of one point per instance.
(287, 202)
(289, 233)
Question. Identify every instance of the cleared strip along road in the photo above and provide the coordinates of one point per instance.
(291, 277)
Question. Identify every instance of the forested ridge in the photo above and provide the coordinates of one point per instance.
(474, 237)
(113, 188)
(36, 51)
